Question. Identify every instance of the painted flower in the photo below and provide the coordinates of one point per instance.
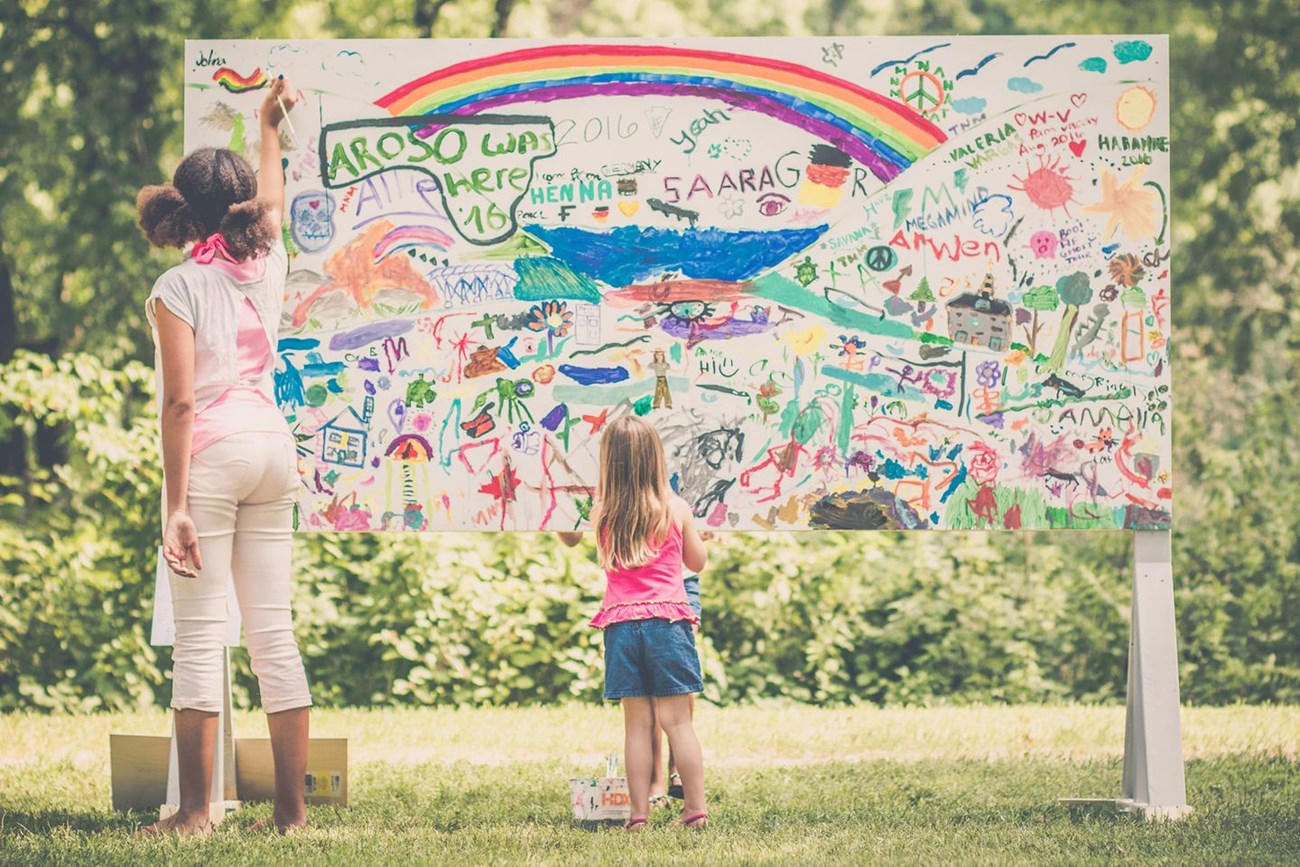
(850, 346)
(732, 207)
(983, 464)
(1126, 269)
(988, 373)
(553, 317)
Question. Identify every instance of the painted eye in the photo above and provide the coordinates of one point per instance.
(689, 311)
(771, 204)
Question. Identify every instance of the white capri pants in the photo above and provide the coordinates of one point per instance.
(241, 499)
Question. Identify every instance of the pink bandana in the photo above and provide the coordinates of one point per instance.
(205, 251)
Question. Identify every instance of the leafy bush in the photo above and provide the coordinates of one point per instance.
(825, 618)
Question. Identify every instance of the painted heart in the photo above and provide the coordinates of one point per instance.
(629, 207)
(1076, 147)
(1078, 99)
(1020, 118)
(315, 203)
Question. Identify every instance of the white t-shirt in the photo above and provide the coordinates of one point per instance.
(209, 299)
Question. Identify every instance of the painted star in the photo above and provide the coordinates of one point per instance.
(1127, 207)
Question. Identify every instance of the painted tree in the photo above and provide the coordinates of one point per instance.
(1040, 299)
(1075, 291)
(922, 293)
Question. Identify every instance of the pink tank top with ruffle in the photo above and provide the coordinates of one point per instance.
(651, 590)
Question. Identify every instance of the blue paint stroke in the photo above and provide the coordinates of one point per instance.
(1093, 64)
(1132, 51)
(359, 337)
(956, 483)
(1020, 84)
(969, 105)
(974, 70)
(910, 59)
(317, 366)
(1037, 57)
(507, 354)
(594, 375)
(287, 343)
(553, 419)
(289, 392)
(622, 256)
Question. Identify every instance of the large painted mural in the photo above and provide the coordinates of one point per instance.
(856, 283)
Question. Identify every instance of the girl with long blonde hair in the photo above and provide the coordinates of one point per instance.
(644, 536)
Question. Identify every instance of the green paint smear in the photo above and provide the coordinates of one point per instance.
(880, 383)
(1132, 52)
(676, 352)
(788, 417)
(642, 406)
(1093, 64)
(542, 278)
(1034, 511)
(786, 292)
(237, 135)
(847, 404)
(514, 247)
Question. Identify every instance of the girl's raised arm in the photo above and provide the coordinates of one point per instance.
(694, 554)
(270, 174)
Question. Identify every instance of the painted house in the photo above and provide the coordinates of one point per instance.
(343, 439)
(979, 319)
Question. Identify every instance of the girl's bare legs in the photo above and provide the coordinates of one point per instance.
(675, 717)
(672, 759)
(196, 743)
(658, 782)
(638, 731)
(289, 748)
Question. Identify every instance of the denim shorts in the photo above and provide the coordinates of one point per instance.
(654, 657)
(692, 584)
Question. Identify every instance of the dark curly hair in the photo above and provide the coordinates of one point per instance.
(213, 190)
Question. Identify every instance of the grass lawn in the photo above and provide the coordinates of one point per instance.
(787, 785)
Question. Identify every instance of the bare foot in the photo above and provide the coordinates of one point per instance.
(174, 824)
(697, 822)
(283, 828)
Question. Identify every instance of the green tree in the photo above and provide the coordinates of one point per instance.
(1075, 291)
(1040, 299)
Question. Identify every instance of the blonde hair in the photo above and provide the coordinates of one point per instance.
(633, 517)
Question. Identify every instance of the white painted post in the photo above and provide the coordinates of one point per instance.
(1154, 782)
(222, 797)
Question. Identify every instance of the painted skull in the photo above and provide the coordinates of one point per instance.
(313, 220)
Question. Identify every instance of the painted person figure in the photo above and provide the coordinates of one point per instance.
(229, 460)
(663, 397)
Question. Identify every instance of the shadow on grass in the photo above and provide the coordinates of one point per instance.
(43, 821)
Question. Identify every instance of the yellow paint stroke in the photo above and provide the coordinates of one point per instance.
(805, 342)
(1135, 107)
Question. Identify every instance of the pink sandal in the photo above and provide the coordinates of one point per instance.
(634, 825)
(697, 822)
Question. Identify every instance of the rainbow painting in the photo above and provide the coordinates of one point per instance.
(408, 237)
(884, 135)
(236, 83)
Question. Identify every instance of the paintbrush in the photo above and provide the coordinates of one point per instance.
(285, 112)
